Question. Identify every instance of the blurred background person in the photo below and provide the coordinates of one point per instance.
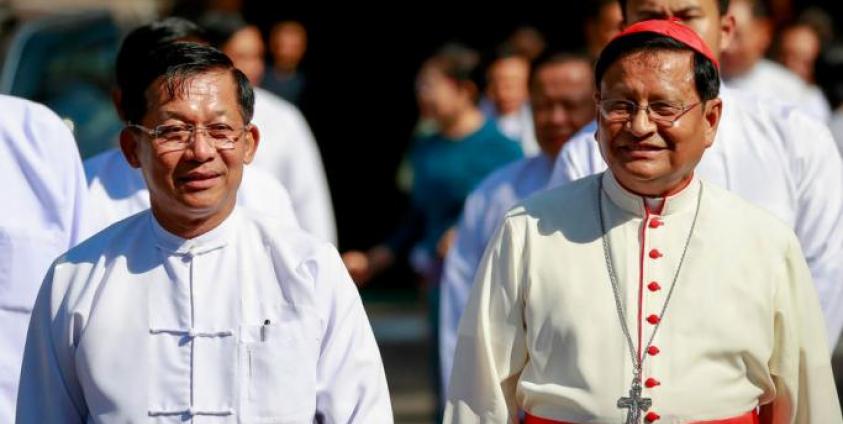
(527, 41)
(507, 98)
(603, 20)
(288, 149)
(562, 99)
(287, 46)
(745, 66)
(446, 166)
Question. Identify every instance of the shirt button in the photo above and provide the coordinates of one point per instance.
(655, 223)
(652, 417)
(654, 286)
(652, 382)
(655, 254)
(653, 319)
(653, 351)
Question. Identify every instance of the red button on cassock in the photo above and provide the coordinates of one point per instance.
(653, 319)
(656, 223)
(654, 286)
(655, 254)
(653, 351)
(652, 417)
(652, 382)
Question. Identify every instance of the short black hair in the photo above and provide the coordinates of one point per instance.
(706, 76)
(555, 58)
(219, 27)
(722, 6)
(143, 39)
(177, 63)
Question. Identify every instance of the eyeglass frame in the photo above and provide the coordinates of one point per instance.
(669, 123)
(155, 133)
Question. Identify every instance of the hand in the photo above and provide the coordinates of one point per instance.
(445, 242)
(357, 263)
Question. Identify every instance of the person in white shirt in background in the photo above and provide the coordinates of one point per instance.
(561, 89)
(645, 294)
(771, 155)
(198, 310)
(46, 213)
(289, 151)
(507, 100)
(746, 68)
(118, 191)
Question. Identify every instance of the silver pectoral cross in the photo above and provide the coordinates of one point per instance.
(634, 404)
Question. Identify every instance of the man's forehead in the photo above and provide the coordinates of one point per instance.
(674, 6)
(668, 67)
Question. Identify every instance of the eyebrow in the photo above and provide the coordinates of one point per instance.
(168, 114)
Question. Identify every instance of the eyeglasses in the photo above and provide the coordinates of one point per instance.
(173, 138)
(663, 114)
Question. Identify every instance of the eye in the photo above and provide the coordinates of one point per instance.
(665, 109)
(171, 132)
(220, 130)
(618, 106)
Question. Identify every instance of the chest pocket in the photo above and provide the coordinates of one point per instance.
(25, 257)
(279, 367)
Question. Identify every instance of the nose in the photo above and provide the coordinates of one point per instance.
(640, 124)
(201, 148)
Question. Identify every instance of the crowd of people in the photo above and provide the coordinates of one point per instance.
(647, 229)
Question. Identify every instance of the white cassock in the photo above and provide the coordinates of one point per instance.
(776, 158)
(542, 332)
(482, 214)
(44, 214)
(250, 322)
(290, 153)
(118, 191)
(772, 81)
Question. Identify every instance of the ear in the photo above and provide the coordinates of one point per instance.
(129, 146)
(713, 112)
(251, 140)
(727, 31)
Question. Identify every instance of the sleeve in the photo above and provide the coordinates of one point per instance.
(309, 186)
(491, 348)
(579, 157)
(351, 384)
(819, 219)
(57, 139)
(800, 364)
(458, 273)
(49, 391)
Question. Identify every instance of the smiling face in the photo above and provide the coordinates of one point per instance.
(199, 182)
(646, 158)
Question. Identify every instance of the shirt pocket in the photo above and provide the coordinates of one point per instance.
(279, 369)
(25, 257)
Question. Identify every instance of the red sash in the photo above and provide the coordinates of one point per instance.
(748, 418)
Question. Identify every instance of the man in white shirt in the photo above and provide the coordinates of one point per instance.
(645, 292)
(561, 89)
(118, 191)
(289, 151)
(746, 68)
(45, 214)
(773, 156)
(198, 310)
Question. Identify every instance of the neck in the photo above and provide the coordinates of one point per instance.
(190, 226)
(466, 123)
(645, 190)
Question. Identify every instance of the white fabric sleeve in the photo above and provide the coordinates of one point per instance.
(491, 348)
(819, 220)
(351, 383)
(308, 185)
(49, 391)
(458, 273)
(800, 363)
